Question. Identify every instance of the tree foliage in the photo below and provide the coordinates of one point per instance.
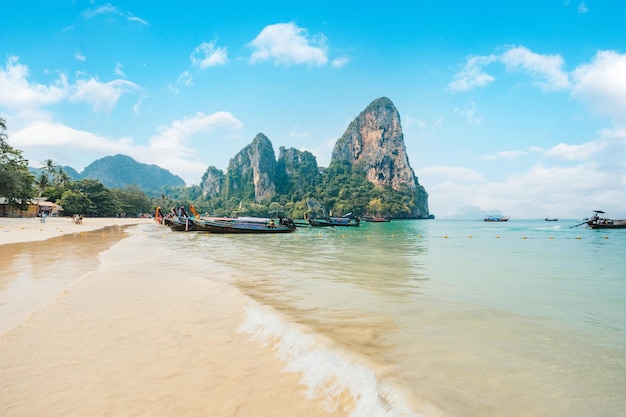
(16, 182)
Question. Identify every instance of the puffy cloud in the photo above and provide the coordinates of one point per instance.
(208, 55)
(472, 74)
(19, 93)
(22, 95)
(178, 133)
(576, 152)
(102, 96)
(547, 68)
(601, 85)
(287, 44)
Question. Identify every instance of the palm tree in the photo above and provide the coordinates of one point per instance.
(62, 178)
(49, 168)
(42, 183)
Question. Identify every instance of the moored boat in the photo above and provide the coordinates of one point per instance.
(600, 221)
(497, 218)
(242, 226)
(333, 221)
(376, 219)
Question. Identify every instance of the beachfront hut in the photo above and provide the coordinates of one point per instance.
(36, 207)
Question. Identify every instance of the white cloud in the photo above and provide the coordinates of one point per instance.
(80, 57)
(547, 68)
(464, 175)
(179, 132)
(601, 84)
(18, 93)
(287, 44)
(208, 55)
(582, 8)
(472, 74)
(340, 62)
(102, 96)
(21, 95)
(108, 9)
(119, 70)
(576, 152)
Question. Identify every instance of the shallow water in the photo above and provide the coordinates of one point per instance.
(453, 318)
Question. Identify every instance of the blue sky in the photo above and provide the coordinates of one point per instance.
(510, 106)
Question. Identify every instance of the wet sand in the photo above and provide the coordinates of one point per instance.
(125, 329)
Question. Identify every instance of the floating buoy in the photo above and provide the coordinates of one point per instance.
(497, 237)
(578, 237)
(606, 237)
(418, 236)
(523, 237)
(470, 236)
(445, 236)
(551, 237)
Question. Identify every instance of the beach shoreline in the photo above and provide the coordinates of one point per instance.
(128, 330)
(32, 229)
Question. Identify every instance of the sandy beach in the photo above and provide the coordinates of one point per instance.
(98, 320)
(31, 229)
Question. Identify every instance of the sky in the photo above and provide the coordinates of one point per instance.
(512, 107)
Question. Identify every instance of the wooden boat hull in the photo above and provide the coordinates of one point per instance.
(610, 224)
(338, 221)
(178, 225)
(242, 227)
(376, 219)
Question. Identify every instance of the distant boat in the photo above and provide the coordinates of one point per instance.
(376, 219)
(495, 218)
(334, 221)
(600, 221)
(552, 219)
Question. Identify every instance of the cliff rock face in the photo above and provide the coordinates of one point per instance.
(295, 169)
(251, 172)
(375, 140)
(212, 182)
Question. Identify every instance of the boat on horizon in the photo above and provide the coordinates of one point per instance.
(551, 219)
(376, 219)
(497, 218)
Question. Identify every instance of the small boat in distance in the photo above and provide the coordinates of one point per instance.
(376, 219)
(552, 219)
(600, 221)
(333, 221)
(497, 218)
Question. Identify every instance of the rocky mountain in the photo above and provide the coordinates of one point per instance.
(375, 142)
(251, 173)
(372, 144)
(119, 171)
(212, 182)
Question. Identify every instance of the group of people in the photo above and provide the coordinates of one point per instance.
(77, 219)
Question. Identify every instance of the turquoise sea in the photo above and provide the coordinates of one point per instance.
(407, 318)
(462, 318)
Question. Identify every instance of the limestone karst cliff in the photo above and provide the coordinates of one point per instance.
(375, 140)
(373, 145)
(251, 173)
